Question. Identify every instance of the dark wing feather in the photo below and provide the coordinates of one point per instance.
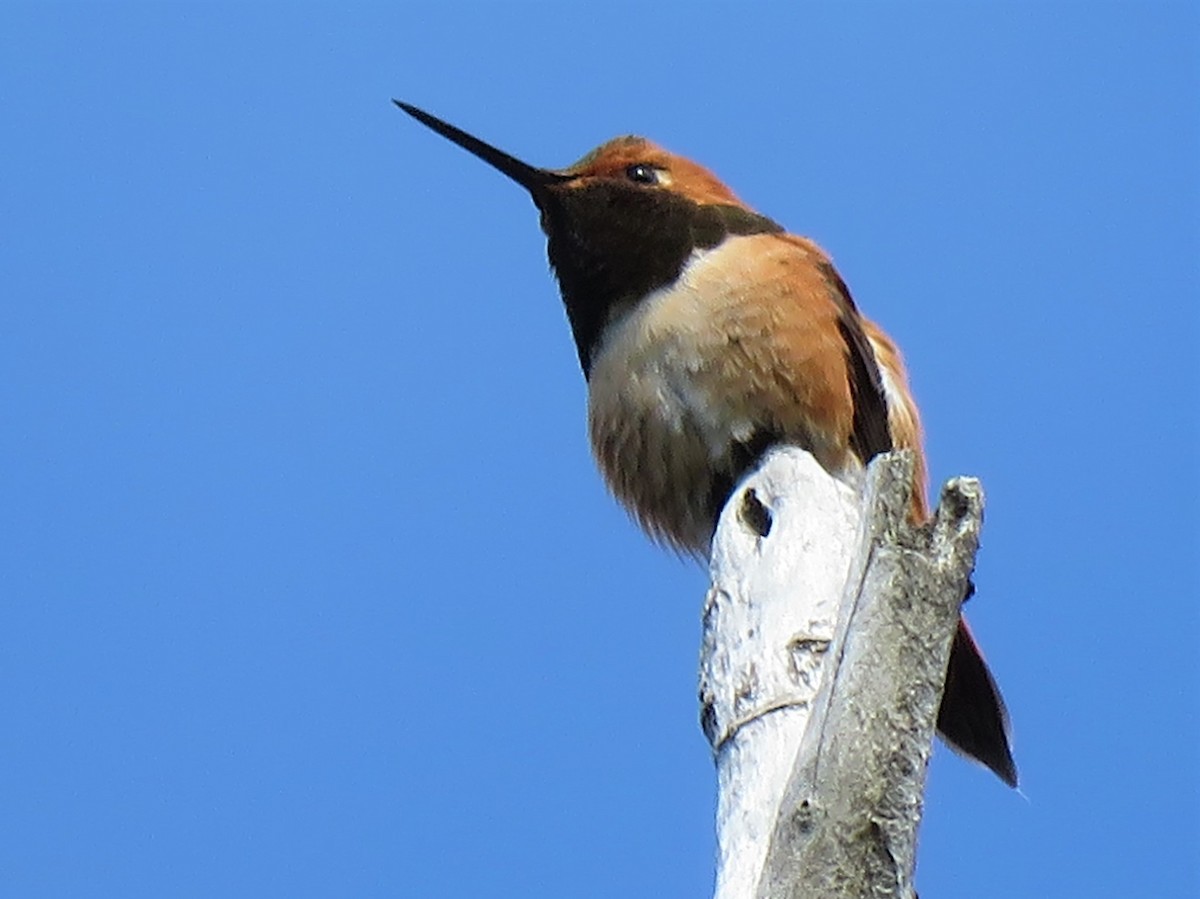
(870, 434)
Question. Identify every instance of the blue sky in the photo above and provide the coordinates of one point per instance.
(309, 585)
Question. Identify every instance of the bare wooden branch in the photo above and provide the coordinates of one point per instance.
(826, 634)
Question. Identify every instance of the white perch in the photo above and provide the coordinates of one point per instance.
(802, 565)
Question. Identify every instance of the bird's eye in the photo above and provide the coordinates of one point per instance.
(641, 173)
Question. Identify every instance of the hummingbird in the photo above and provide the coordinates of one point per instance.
(708, 334)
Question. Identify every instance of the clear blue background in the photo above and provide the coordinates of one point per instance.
(309, 586)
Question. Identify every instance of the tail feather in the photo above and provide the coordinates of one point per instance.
(972, 718)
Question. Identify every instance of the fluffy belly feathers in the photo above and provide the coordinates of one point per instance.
(695, 379)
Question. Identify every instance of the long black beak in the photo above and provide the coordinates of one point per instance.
(530, 178)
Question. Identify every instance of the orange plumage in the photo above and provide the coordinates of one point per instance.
(708, 334)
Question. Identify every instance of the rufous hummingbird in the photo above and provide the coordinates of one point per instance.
(708, 334)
